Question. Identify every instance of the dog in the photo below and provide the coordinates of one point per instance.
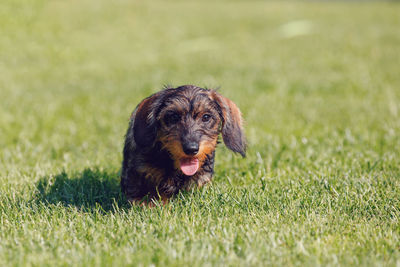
(171, 140)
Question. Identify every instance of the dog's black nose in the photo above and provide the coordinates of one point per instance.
(191, 148)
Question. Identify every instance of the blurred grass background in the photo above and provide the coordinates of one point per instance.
(318, 84)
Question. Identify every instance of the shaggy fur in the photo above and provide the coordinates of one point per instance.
(173, 125)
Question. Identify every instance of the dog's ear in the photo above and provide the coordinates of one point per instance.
(145, 123)
(232, 130)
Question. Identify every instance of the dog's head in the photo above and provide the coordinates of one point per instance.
(187, 121)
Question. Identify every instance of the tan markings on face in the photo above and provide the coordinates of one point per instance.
(174, 147)
(206, 148)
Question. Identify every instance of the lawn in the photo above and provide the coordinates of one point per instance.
(319, 87)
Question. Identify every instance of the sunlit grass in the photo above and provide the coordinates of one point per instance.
(318, 84)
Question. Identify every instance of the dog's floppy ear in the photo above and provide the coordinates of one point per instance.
(145, 123)
(232, 130)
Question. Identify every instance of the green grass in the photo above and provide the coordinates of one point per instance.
(319, 87)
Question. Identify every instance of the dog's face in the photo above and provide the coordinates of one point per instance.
(187, 121)
(188, 128)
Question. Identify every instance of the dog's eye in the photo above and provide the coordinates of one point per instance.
(172, 118)
(206, 117)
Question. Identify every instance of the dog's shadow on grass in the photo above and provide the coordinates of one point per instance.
(87, 190)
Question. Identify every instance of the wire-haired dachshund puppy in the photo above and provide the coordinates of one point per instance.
(171, 139)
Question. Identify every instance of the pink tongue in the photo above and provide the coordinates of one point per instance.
(189, 166)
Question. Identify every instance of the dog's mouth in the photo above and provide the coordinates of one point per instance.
(189, 166)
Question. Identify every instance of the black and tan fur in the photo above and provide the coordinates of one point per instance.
(164, 126)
